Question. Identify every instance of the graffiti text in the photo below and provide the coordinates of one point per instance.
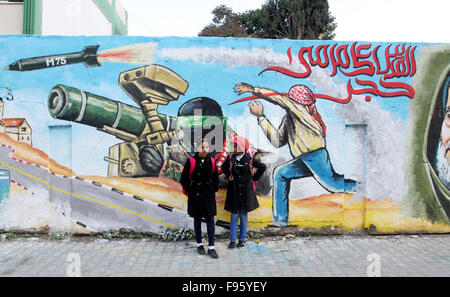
(356, 60)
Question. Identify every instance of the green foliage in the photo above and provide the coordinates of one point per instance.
(118, 235)
(293, 19)
(178, 235)
(10, 236)
(329, 34)
(254, 235)
(57, 236)
(182, 234)
(225, 24)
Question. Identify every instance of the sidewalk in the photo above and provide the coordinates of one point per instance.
(397, 255)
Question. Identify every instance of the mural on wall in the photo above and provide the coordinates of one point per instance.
(355, 135)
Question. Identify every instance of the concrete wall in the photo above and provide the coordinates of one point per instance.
(360, 147)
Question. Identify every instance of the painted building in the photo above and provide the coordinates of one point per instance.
(354, 135)
(63, 17)
(18, 129)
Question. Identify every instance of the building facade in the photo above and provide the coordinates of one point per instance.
(63, 17)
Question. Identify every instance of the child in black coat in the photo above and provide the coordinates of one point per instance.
(200, 181)
(241, 197)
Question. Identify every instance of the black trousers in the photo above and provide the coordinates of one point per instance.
(210, 227)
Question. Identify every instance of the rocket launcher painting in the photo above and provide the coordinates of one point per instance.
(88, 56)
(144, 130)
(131, 158)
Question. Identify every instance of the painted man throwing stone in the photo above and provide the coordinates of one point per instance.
(303, 130)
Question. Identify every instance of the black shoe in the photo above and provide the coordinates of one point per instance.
(201, 250)
(232, 245)
(241, 244)
(212, 253)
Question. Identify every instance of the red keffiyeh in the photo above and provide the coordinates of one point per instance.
(303, 95)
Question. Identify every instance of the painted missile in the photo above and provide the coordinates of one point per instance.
(88, 56)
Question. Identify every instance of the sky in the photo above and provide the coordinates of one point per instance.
(362, 20)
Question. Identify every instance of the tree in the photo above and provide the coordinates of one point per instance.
(293, 19)
(225, 24)
(329, 34)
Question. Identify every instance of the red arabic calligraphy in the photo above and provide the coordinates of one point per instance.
(356, 61)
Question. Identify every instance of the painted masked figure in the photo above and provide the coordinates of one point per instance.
(303, 130)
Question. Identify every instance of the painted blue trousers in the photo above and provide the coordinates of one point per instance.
(316, 164)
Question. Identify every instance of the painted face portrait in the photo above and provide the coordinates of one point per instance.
(430, 151)
(442, 164)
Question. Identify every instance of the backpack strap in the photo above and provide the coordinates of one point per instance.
(251, 154)
(213, 162)
(251, 169)
(231, 165)
(191, 167)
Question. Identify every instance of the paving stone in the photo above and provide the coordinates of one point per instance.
(426, 255)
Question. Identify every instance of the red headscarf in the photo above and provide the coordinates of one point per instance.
(242, 143)
(232, 138)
